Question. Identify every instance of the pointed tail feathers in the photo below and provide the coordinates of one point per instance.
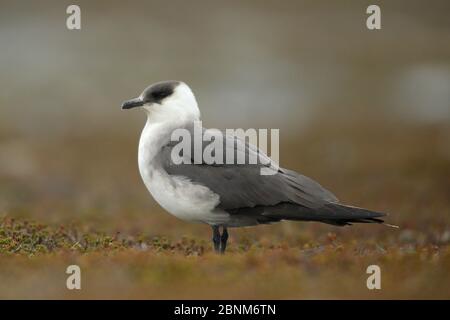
(330, 213)
(339, 214)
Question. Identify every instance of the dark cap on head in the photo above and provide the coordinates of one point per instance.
(154, 93)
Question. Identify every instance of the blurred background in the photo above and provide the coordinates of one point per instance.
(365, 113)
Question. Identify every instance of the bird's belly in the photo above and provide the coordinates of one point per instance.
(183, 199)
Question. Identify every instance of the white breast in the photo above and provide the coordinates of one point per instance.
(176, 194)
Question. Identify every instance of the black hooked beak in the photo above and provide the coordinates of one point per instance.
(133, 103)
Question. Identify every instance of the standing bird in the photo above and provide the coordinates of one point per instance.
(219, 194)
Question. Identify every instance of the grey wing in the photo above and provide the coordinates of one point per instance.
(242, 185)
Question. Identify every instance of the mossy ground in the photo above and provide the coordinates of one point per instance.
(34, 258)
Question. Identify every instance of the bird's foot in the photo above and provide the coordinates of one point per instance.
(223, 240)
(220, 241)
(216, 239)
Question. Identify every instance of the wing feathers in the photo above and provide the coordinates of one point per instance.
(285, 195)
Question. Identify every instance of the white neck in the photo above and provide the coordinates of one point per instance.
(177, 111)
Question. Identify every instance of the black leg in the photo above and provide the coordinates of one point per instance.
(216, 238)
(223, 240)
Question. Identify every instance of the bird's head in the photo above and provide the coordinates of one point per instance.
(166, 99)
